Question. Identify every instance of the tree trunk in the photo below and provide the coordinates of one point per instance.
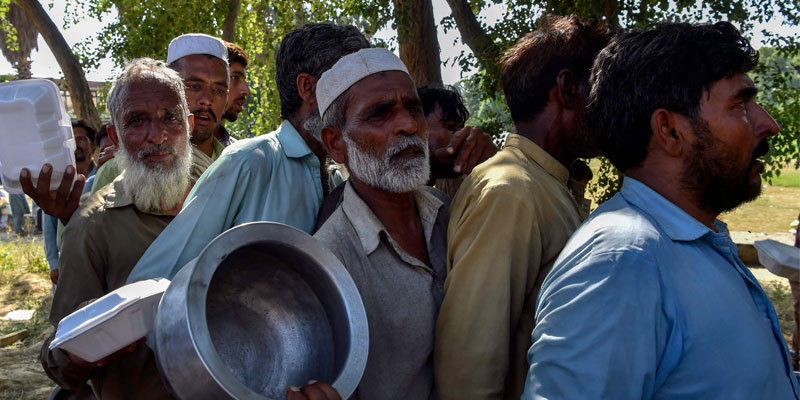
(483, 47)
(229, 26)
(419, 45)
(73, 72)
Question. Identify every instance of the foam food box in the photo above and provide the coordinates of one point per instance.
(111, 322)
(780, 259)
(35, 130)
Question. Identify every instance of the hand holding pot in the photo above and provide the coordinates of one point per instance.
(313, 391)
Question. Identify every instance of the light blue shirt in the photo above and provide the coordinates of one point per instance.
(50, 227)
(275, 177)
(646, 302)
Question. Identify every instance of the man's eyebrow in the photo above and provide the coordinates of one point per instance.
(379, 106)
(746, 93)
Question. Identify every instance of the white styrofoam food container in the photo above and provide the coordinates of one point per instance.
(111, 322)
(780, 259)
(35, 130)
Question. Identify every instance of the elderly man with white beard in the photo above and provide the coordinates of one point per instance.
(389, 231)
(109, 232)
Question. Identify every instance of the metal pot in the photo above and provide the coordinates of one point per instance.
(263, 307)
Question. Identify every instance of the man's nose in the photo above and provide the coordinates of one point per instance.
(156, 132)
(763, 123)
(406, 124)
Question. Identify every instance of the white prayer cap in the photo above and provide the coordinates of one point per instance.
(196, 43)
(351, 69)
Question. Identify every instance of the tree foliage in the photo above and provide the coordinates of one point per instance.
(18, 38)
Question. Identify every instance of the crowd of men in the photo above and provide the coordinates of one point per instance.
(506, 290)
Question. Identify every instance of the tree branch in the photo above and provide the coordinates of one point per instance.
(73, 71)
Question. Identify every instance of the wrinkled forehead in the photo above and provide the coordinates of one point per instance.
(387, 88)
(201, 67)
(150, 96)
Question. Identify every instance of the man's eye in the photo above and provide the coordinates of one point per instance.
(221, 91)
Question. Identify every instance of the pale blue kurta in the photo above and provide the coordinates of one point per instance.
(275, 177)
(646, 302)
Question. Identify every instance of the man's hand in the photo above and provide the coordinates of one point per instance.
(60, 203)
(105, 155)
(313, 391)
(54, 276)
(105, 360)
(471, 146)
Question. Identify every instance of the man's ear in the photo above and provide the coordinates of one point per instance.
(670, 132)
(112, 134)
(334, 144)
(190, 117)
(307, 88)
(567, 88)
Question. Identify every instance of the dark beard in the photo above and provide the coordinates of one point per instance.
(715, 177)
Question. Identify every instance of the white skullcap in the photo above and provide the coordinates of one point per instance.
(196, 43)
(351, 69)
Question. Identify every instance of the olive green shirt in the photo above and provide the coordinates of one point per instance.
(102, 242)
(508, 222)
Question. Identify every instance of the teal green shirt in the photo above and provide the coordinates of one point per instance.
(275, 177)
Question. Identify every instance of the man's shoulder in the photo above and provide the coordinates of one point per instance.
(264, 147)
(618, 227)
(338, 235)
(92, 210)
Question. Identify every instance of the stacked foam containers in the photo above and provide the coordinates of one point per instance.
(34, 129)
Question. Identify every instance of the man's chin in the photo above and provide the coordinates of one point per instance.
(230, 116)
(201, 135)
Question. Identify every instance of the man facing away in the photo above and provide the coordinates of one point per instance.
(389, 231)
(278, 177)
(514, 213)
(649, 299)
(110, 231)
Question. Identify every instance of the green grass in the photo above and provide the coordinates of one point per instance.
(781, 297)
(24, 284)
(788, 178)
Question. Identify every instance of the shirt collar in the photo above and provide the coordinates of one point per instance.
(539, 156)
(224, 134)
(217, 149)
(293, 144)
(369, 228)
(676, 223)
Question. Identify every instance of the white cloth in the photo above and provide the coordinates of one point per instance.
(351, 69)
(196, 43)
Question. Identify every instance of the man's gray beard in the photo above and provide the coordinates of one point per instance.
(156, 188)
(313, 124)
(380, 172)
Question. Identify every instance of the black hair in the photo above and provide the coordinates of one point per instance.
(101, 133)
(312, 49)
(90, 132)
(668, 66)
(448, 99)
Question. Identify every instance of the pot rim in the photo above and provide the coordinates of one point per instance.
(285, 235)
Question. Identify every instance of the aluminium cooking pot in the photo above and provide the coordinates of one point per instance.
(263, 307)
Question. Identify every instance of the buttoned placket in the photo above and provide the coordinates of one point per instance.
(723, 244)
